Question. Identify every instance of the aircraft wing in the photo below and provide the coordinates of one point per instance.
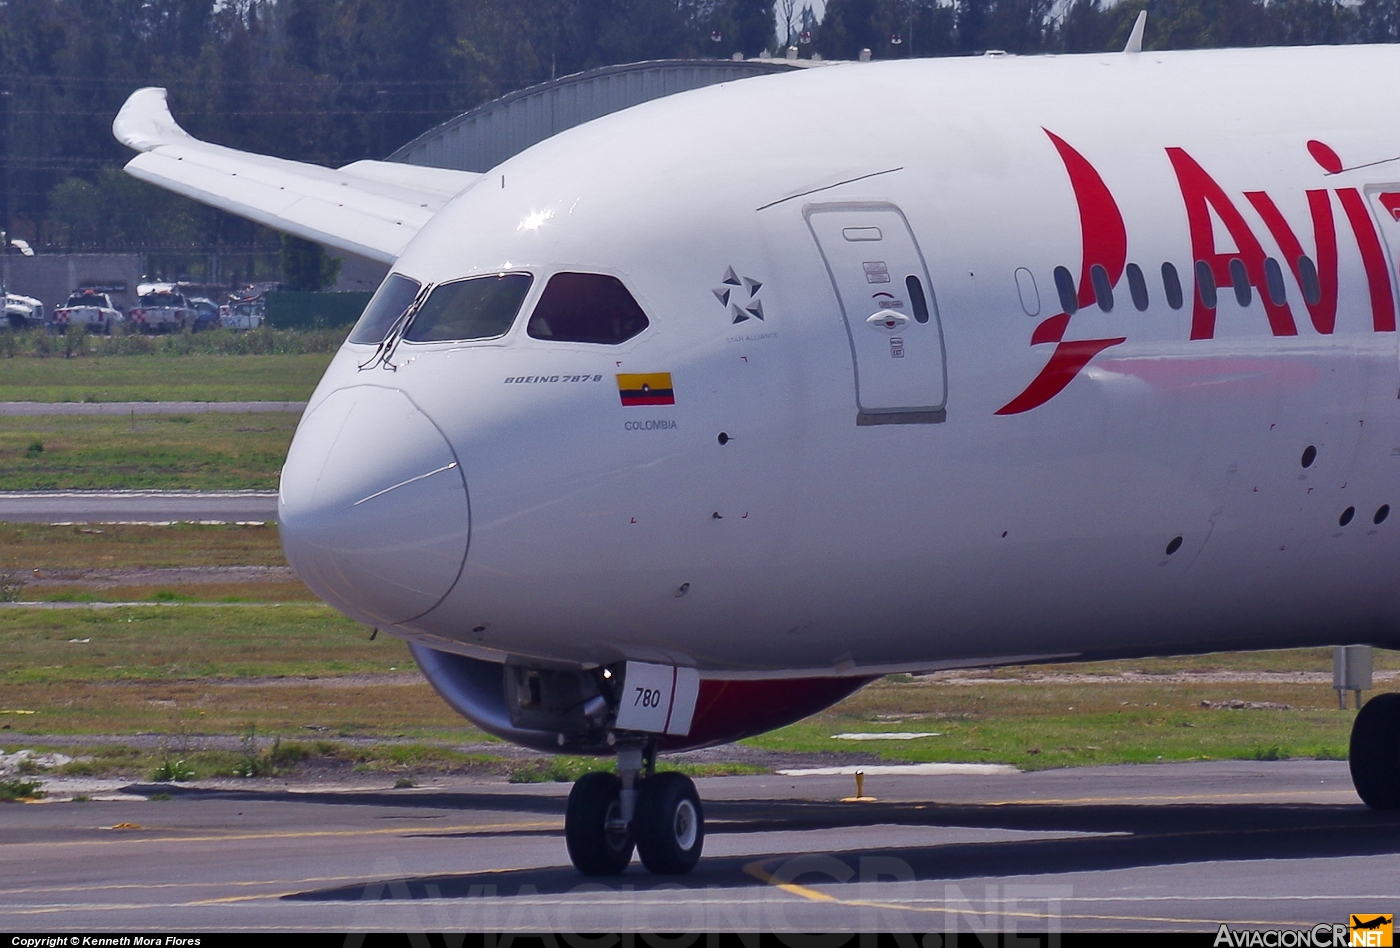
(370, 208)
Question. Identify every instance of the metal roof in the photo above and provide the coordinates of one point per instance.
(489, 134)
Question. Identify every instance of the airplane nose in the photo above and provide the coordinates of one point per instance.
(373, 506)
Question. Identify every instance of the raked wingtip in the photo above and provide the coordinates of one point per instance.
(145, 122)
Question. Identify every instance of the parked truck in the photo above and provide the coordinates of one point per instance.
(90, 308)
(160, 307)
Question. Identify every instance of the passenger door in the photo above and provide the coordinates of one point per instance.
(891, 316)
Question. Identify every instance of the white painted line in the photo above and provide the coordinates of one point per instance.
(156, 523)
(135, 494)
(885, 735)
(903, 770)
(151, 604)
(146, 408)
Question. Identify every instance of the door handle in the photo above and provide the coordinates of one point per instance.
(887, 321)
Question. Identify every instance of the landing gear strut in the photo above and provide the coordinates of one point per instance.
(659, 814)
(1375, 752)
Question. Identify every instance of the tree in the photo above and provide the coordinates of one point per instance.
(753, 24)
(306, 265)
(788, 11)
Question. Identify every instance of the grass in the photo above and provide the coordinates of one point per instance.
(233, 592)
(1279, 661)
(189, 452)
(155, 377)
(41, 563)
(128, 645)
(276, 757)
(568, 769)
(263, 757)
(1036, 724)
(395, 709)
(285, 669)
(29, 546)
(211, 670)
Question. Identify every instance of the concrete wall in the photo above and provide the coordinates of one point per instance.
(52, 277)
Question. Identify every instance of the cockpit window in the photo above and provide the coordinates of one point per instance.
(586, 307)
(388, 304)
(479, 308)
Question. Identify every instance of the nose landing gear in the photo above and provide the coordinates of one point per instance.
(1374, 759)
(670, 824)
(599, 840)
(659, 814)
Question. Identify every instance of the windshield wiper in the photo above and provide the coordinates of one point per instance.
(385, 350)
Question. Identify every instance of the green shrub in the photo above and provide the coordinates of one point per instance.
(12, 790)
(172, 770)
(38, 343)
(11, 586)
(555, 770)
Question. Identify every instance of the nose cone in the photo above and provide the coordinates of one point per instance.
(373, 507)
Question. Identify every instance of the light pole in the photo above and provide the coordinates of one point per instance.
(5, 170)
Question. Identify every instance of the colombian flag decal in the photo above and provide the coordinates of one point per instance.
(650, 388)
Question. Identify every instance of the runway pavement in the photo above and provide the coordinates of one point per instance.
(137, 506)
(1178, 846)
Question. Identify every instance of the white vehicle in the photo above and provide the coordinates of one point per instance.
(88, 308)
(242, 314)
(160, 308)
(663, 433)
(23, 312)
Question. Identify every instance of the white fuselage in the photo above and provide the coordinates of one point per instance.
(806, 543)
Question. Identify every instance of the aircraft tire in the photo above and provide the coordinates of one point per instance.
(670, 824)
(1375, 752)
(593, 848)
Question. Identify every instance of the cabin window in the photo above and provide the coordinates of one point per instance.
(1103, 290)
(586, 307)
(1064, 285)
(1239, 278)
(1171, 285)
(389, 302)
(1307, 273)
(1027, 291)
(1137, 287)
(1205, 284)
(917, 298)
(1273, 278)
(479, 308)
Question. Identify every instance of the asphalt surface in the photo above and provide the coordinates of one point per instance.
(1178, 846)
(145, 408)
(137, 506)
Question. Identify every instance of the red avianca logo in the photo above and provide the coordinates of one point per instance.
(1106, 244)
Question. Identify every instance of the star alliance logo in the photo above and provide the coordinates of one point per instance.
(740, 296)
